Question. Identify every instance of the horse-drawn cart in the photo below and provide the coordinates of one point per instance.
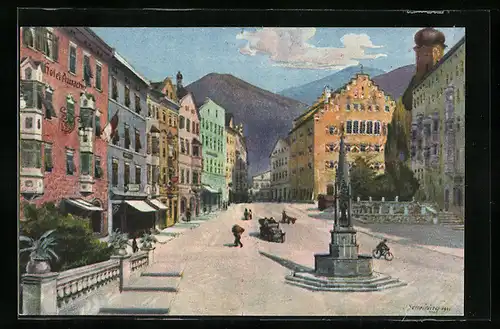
(287, 219)
(270, 231)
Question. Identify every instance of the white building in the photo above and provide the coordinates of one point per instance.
(261, 186)
(280, 182)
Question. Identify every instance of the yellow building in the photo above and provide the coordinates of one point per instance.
(168, 118)
(230, 153)
(436, 99)
(301, 167)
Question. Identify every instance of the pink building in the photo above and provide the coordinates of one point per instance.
(190, 164)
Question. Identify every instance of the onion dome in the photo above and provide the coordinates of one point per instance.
(429, 37)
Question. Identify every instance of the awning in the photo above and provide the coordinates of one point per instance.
(140, 205)
(82, 204)
(158, 204)
(209, 189)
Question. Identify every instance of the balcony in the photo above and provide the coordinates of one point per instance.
(31, 181)
(86, 138)
(86, 184)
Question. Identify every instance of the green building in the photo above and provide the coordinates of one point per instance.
(213, 136)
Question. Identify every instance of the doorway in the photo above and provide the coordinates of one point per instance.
(446, 199)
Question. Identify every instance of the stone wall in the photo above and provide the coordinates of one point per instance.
(393, 212)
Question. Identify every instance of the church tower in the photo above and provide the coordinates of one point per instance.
(429, 49)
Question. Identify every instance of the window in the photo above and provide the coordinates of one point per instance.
(362, 128)
(187, 147)
(31, 154)
(114, 89)
(148, 143)
(86, 163)
(137, 104)
(331, 129)
(356, 107)
(137, 174)
(355, 128)
(197, 128)
(149, 173)
(377, 128)
(127, 137)
(169, 119)
(98, 77)
(114, 172)
(181, 122)
(28, 39)
(156, 175)
(183, 147)
(369, 127)
(362, 147)
(196, 149)
(348, 107)
(86, 117)
(126, 174)
(87, 71)
(149, 110)
(164, 175)
(48, 158)
(188, 125)
(349, 127)
(187, 176)
(435, 126)
(387, 108)
(72, 59)
(98, 172)
(138, 145)
(28, 123)
(127, 96)
(70, 164)
(182, 176)
(47, 103)
(33, 94)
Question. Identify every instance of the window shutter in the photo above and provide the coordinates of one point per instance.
(55, 49)
(97, 126)
(138, 140)
(27, 37)
(39, 38)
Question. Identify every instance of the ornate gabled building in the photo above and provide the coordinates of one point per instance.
(169, 144)
(63, 107)
(236, 161)
(363, 110)
(436, 99)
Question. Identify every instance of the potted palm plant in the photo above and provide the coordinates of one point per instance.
(147, 241)
(41, 252)
(119, 241)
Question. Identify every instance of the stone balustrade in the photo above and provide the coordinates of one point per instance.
(80, 291)
(392, 211)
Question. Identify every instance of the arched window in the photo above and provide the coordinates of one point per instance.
(377, 128)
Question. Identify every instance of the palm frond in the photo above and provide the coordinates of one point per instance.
(46, 234)
(53, 253)
(26, 249)
(26, 239)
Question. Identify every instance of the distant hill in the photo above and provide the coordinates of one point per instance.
(395, 82)
(265, 115)
(309, 92)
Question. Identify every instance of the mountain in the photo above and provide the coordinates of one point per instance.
(265, 115)
(395, 82)
(309, 92)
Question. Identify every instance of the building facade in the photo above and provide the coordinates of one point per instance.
(301, 170)
(363, 111)
(261, 187)
(155, 101)
(63, 105)
(231, 133)
(127, 150)
(280, 180)
(169, 143)
(240, 177)
(213, 135)
(438, 122)
(190, 152)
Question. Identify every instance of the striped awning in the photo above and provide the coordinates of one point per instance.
(209, 189)
(82, 204)
(140, 205)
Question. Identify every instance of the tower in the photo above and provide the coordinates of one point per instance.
(429, 49)
(179, 79)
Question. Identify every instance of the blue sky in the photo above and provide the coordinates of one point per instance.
(273, 58)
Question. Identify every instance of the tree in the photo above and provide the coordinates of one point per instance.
(77, 246)
(398, 134)
(362, 178)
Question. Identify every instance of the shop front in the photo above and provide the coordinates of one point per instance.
(82, 208)
(161, 213)
(211, 198)
(133, 217)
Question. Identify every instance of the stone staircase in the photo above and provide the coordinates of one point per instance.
(312, 282)
(449, 219)
(151, 293)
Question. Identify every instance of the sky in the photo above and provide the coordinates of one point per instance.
(270, 58)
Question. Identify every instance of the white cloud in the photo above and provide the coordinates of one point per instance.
(289, 47)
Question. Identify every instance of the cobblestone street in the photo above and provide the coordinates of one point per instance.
(222, 280)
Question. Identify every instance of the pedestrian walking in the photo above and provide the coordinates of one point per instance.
(134, 246)
(250, 214)
(237, 232)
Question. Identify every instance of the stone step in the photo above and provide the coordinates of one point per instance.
(163, 274)
(133, 300)
(133, 311)
(348, 288)
(153, 283)
(356, 280)
(344, 285)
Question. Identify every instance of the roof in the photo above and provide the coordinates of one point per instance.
(228, 116)
(156, 92)
(284, 139)
(124, 62)
(181, 92)
(414, 83)
(262, 173)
